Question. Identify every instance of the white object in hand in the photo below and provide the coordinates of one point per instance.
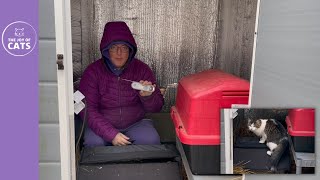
(138, 86)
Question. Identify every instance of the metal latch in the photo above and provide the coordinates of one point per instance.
(60, 61)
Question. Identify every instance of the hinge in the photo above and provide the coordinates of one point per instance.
(60, 61)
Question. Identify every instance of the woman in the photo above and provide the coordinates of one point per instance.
(115, 111)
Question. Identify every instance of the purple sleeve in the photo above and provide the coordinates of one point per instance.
(96, 121)
(154, 102)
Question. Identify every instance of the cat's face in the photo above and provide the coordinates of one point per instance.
(252, 127)
(254, 124)
(19, 32)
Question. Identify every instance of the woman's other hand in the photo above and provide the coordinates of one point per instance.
(121, 140)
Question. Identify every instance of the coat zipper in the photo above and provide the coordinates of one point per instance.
(120, 102)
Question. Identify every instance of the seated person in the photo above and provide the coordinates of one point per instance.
(115, 113)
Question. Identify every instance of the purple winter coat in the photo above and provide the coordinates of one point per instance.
(111, 103)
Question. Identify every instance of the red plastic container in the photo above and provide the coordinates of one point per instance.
(300, 125)
(300, 122)
(200, 98)
(196, 115)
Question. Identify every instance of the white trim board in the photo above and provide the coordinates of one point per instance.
(62, 12)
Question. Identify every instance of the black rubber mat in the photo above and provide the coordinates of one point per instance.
(248, 142)
(109, 154)
(132, 171)
(134, 162)
(248, 150)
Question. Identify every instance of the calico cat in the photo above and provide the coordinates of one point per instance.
(274, 135)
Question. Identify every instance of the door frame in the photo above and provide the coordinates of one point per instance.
(62, 12)
(254, 51)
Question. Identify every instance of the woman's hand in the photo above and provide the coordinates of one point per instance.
(145, 93)
(121, 140)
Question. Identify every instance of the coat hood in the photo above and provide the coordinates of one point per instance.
(114, 33)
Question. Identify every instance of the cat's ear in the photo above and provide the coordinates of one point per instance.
(15, 29)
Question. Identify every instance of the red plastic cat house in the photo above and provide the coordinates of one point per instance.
(300, 125)
(196, 115)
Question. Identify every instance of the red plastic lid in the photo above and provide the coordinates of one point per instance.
(213, 80)
(191, 139)
(200, 97)
(293, 132)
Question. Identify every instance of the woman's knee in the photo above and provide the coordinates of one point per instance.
(150, 138)
(90, 142)
(91, 139)
(143, 132)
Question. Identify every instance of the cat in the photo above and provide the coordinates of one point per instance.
(19, 32)
(274, 135)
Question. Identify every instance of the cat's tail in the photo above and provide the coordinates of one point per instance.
(277, 154)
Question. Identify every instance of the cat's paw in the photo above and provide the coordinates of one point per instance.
(273, 169)
(269, 153)
(262, 141)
